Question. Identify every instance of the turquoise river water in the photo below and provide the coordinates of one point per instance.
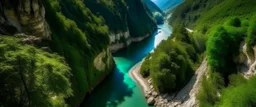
(119, 90)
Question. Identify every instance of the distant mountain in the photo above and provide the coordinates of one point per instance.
(152, 6)
(154, 11)
(166, 5)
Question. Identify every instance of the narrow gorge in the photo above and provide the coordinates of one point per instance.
(127, 53)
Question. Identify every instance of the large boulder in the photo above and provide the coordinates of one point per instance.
(151, 101)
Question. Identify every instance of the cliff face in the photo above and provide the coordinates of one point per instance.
(23, 16)
(82, 36)
(152, 7)
(83, 39)
(128, 20)
(75, 33)
(246, 61)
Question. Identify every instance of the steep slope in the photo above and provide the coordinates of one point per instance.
(223, 26)
(227, 24)
(123, 21)
(31, 76)
(83, 35)
(155, 11)
(204, 14)
(82, 38)
(152, 7)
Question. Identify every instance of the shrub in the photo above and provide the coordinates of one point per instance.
(242, 94)
(79, 36)
(236, 22)
(209, 89)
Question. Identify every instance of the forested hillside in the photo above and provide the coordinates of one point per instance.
(123, 17)
(31, 76)
(82, 38)
(60, 50)
(155, 11)
(223, 31)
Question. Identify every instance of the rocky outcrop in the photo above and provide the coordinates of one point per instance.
(246, 60)
(23, 16)
(99, 62)
(126, 42)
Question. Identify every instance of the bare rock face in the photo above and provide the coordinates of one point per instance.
(23, 16)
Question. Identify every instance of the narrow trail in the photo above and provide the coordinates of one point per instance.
(186, 97)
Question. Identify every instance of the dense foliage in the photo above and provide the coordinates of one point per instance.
(80, 36)
(240, 93)
(144, 71)
(31, 77)
(226, 23)
(113, 11)
(223, 45)
(251, 38)
(172, 63)
(124, 15)
(170, 67)
(210, 89)
(205, 14)
(137, 15)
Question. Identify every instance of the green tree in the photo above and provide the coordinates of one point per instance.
(145, 67)
(32, 77)
(170, 67)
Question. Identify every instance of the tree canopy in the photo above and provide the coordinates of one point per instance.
(32, 77)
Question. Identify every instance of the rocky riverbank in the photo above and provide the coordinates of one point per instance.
(186, 97)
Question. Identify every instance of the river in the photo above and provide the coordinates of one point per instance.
(119, 90)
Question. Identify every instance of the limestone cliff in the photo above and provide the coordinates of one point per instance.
(246, 60)
(23, 16)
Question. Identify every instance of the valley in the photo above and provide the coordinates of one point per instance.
(127, 53)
